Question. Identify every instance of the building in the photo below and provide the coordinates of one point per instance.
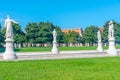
(77, 30)
(101, 29)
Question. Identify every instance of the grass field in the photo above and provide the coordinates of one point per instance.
(38, 49)
(67, 69)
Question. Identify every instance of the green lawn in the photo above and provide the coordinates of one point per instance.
(67, 69)
(38, 49)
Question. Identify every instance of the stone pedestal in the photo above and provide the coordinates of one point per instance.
(54, 49)
(99, 48)
(112, 50)
(9, 52)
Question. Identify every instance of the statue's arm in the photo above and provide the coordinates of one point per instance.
(14, 21)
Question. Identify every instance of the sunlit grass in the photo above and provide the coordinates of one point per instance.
(66, 69)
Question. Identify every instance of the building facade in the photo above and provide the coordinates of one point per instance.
(77, 30)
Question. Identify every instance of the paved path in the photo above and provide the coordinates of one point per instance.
(62, 55)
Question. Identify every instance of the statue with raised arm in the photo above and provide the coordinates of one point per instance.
(9, 53)
(99, 35)
(54, 35)
(8, 26)
(111, 30)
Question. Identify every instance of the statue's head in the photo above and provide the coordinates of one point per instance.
(8, 17)
(111, 22)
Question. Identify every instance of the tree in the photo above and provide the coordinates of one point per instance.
(19, 35)
(59, 34)
(90, 35)
(45, 32)
(31, 32)
(41, 33)
(1, 36)
(71, 37)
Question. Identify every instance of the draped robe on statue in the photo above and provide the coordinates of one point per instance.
(8, 26)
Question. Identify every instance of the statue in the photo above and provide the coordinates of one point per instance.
(99, 48)
(54, 49)
(99, 35)
(8, 26)
(9, 53)
(54, 35)
(111, 29)
(111, 49)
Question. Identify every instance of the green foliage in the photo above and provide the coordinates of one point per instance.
(71, 37)
(105, 32)
(31, 31)
(90, 35)
(1, 36)
(107, 68)
(45, 32)
(19, 35)
(60, 34)
(42, 32)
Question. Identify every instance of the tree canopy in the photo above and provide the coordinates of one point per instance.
(90, 35)
(1, 36)
(19, 35)
(41, 33)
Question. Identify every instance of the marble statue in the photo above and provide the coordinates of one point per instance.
(54, 35)
(9, 53)
(99, 48)
(111, 48)
(111, 29)
(99, 35)
(8, 26)
(54, 49)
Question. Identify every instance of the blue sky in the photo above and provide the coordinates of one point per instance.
(64, 13)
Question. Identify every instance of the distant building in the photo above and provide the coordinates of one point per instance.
(77, 30)
(101, 29)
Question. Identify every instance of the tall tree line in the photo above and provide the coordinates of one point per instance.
(40, 34)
